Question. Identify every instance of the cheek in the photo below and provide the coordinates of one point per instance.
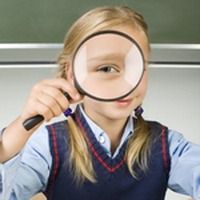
(142, 87)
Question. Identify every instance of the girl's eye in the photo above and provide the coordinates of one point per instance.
(108, 69)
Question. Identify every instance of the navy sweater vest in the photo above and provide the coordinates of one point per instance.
(114, 182)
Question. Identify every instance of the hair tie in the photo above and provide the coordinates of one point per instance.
(138, 111)
(68, 112)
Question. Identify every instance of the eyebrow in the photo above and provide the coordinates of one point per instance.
(107, 57)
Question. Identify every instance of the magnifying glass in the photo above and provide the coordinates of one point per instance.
(107, 66)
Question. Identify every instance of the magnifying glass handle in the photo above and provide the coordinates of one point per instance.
(33, 121)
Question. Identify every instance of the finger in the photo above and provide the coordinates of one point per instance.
(35, 107)
(51, 103)
(54, 96)
(65, 86)
(45, 111)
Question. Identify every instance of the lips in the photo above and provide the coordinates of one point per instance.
(123, 102)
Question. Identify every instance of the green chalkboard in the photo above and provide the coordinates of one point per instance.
(46, 21)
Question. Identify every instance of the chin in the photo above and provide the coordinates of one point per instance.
(119, 114)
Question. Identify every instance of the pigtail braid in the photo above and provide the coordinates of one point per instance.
(137, 151)
(80, 158)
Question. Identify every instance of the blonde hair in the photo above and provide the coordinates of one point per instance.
(97, 19)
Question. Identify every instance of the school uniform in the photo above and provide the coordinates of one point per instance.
(114, 182)
(42, 166)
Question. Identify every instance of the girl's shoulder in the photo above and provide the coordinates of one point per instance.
(157, 129)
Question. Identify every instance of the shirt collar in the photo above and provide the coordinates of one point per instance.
(98, 132)
(94, 127)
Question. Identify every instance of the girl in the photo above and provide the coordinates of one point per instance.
(104, 150)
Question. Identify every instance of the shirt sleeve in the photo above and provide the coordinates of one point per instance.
(27, 173)
(10, 168)
(184, 176)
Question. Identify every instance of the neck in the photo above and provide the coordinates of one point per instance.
(112, 127)
(114, 132)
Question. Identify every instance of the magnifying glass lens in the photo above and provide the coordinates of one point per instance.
(108, 65)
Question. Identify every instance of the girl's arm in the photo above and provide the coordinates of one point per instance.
(185, 166)
(46, 99)
(14, 137)
(25, 156)
(27, 173)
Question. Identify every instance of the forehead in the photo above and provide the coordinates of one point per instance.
(138, 35)
(109, 47)
(108, 43)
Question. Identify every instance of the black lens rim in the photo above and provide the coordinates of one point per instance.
(81, 90)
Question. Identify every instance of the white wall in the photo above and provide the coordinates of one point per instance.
(173, 98)
(15, 85)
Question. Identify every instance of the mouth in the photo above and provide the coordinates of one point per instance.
(123, 102)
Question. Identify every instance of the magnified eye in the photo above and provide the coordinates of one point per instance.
(108, 69)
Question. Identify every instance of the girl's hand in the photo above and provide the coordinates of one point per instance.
(47, 99)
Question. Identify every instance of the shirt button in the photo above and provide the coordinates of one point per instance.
(101, 139)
